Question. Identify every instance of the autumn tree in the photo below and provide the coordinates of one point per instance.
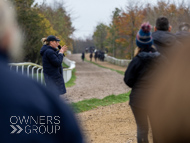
(112, 33)
(38, 21)
(29, 20)
(176, 13)
(100, 35)
(122, 30)
(60, 21)
(128, 24)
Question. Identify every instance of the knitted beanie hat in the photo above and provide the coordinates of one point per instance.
(144, 37)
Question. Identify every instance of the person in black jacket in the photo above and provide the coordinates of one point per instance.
(29, 112)
(165, 42)
(137, 76)
(83, 56)
(91, 55)
(96, 55)
(52, 62)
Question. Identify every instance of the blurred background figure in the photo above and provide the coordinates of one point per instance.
(96, 55)
(29, 112)
(86, 50)
(169, 95)
(91, 56)
(83, 56)
(170, 98)
(102, 56)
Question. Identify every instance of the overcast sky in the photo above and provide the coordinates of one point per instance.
(86, 14)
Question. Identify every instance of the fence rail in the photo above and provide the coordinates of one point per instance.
(119, 62)
(36, 71)
(67, 72)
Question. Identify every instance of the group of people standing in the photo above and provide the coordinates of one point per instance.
(100, 55)
(154, 51)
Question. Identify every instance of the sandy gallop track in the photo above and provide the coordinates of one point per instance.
(94, 82)
(109, 124)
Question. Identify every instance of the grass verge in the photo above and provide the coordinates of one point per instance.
(64, 65)
(120, 72)
(93, 103)
(71, 82)
(39, 77)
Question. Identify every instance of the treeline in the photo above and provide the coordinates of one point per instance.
(80, 45)
(119, 36)
(38, 21)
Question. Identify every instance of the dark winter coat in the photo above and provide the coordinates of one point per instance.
(83, 55)
(96, 55)
(91, 55)
(165, 42)
(23, 97)
(138, 75)
(52, 68)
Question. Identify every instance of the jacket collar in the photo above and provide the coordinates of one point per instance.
(52, 48)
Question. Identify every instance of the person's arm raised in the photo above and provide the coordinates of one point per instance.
(63, 49)
(54, 58)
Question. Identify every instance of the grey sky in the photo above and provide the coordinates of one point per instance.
(86, 14)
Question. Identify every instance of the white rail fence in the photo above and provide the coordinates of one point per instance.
(36, 71)
(119, 62)
(67, 72)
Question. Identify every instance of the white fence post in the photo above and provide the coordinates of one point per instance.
(41, 76)
(28, 70)
(67, 73)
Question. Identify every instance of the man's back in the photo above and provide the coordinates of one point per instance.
(165, 42)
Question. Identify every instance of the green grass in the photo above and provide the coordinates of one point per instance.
(39, 77)
(120, 72)
(93, 103)
(64, 65)
(71, 82)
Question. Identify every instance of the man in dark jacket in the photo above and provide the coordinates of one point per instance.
(164, 41)
(83, 56)
(91, 55)
(52, 61)
(29, 112)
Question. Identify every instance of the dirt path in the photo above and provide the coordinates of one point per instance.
(110, 124)
(94, 82)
